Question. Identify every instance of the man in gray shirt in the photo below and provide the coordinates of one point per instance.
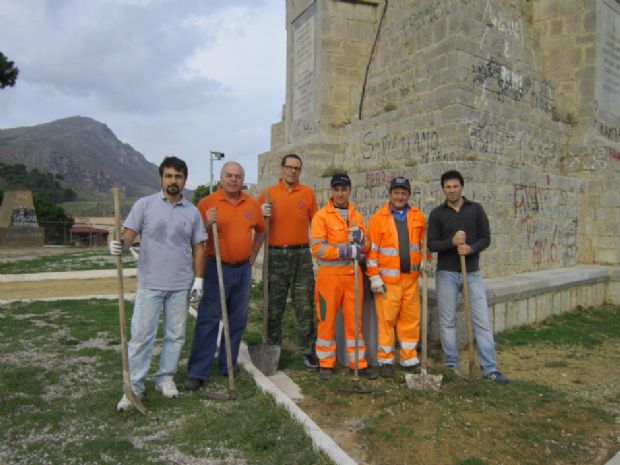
(171, 237)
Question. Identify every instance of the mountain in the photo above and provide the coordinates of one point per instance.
(85, 152)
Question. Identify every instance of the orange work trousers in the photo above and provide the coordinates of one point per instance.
(400, 309)
(331, 293)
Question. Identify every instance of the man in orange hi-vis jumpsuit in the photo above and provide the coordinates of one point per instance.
(337, 240)
(396, 234)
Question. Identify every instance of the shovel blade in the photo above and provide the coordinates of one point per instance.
(265, 357)
(134, 400)
(424, 381)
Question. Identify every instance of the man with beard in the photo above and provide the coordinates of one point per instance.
(237, 216)
(171, 238)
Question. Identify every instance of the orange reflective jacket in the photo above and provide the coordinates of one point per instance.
(384, 256)
(329, 232)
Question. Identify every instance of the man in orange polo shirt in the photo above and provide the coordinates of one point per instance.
(237, 215)
(290, 210)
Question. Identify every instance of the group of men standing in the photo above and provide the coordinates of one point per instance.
(174, 240)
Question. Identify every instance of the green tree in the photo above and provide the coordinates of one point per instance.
(53, 218)
(202, 191)
(40, 182)
(8, 72)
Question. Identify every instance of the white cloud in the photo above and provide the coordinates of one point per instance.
(184, 76)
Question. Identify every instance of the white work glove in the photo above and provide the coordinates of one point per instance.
(196, 292)
(266, 209)
(376, 284)
(116, 248)
(135, 251)
(350, 251)
(356, 235)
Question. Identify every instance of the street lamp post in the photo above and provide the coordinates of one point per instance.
(213, 156)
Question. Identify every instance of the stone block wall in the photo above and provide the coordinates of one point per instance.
(513, 93)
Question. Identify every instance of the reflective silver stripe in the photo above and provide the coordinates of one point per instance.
(351, 343)
(374, 246)
(415, 267)
(317, 241)
(388, 251)
(324, 343)
(361, 354)
(321, 250)
(408, 345)
(325, 354)
(386, 361)
(414, 248)
(390, 272)
(410, 362)
(335, 262)
(372, 263)
(386, 349)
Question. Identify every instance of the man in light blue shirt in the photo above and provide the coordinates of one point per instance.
(172, 234)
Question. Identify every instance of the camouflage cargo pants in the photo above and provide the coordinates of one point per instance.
(292, 269)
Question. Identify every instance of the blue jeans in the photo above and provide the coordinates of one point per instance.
(237, 291)
(448, 286)
(144, 322)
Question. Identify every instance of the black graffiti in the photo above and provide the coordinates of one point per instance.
(24, 218)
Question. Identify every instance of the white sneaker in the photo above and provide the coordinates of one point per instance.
(125, 404)
(168, 388)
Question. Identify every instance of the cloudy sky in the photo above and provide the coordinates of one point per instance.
(167, 76)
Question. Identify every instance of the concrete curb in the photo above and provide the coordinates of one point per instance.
(79, 297)
(86, 274)
(321, 440)
(615, 460)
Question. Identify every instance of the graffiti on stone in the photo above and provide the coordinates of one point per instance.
(424, 14)
(415, 143)
(302, 127)
(519, 146)
(507, 26)
(24, 218)
(505, 82)
(599, 160)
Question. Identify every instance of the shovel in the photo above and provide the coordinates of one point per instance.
(357, 388)
(265, 356)
(121, 308)
(232, 393)
(424, 380)
(470, 332)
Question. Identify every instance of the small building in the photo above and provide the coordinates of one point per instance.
(88, 236)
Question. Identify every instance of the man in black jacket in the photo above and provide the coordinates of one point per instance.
(461, 227)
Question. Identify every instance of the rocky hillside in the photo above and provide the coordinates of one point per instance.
(85, 152)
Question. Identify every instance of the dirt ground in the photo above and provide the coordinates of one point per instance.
(55, 288)
(63, 288)
(591, 374)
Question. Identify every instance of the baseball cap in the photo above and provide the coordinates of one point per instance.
(400, 181)
(340, 179)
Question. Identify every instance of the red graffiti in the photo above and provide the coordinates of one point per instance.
(542, 251)
(614, 154)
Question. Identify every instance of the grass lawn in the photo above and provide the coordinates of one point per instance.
(76, 261)
(562, 405)
(60, 379)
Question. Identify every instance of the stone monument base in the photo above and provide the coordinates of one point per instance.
(22, 237)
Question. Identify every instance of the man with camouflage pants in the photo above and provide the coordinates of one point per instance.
(290, 210)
